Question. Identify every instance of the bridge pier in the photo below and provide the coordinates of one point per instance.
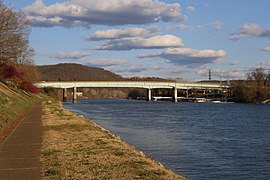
(149, 95)
(174, 94)
(74, 99)
(65, 95)
(187, 94)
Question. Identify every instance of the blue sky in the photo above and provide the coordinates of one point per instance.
(161, 38)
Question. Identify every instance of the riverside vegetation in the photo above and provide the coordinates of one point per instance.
(76, 147)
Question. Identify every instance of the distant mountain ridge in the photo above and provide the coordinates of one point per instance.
(75, 72)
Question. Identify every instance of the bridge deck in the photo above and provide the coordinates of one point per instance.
(131, 84)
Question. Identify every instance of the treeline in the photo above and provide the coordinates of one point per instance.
(255, 89)
(16, 63)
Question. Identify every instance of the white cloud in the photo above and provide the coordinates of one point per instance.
(128, 69)
(214, 26)
(221, 74)
(217, 25)
(155, 42)
(122, 33)
(267, 49)
(74, 55)
(265, 65)
(202, 72)
(236, 37)
(106, 62)
(179, 27)
(235, 75)
(187, 56)
(250, 30)
(103, 12)
(214, 72)
(234, 63)
(190, 9)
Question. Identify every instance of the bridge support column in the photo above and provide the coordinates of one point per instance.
(64, 95)
(187, 94)
(174, 94)
(149, 96)
(74, 99)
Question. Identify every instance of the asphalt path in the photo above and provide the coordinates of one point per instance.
(20, 152)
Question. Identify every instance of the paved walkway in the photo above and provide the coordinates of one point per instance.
(19, 154)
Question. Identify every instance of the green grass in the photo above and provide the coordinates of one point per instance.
(49, 152)
(52, 172)
(13, 103)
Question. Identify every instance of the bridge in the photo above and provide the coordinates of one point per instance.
(131, 84)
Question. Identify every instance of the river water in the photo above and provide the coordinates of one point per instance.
(197, 140)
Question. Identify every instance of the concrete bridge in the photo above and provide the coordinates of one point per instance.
(131, 84)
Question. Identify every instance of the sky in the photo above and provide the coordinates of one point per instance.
(157, 38)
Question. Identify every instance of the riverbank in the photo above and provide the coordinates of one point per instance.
(14, 105)
(76, 147)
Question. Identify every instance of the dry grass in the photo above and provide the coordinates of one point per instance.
(76, 148)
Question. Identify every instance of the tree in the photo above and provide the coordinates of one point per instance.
(259, 76)
(255, 89)
(14, 33)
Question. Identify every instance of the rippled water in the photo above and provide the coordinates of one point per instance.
(197, 140)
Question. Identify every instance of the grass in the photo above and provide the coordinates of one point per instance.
(77, 148)
(52, 172)
(13, 105)
(49, 152)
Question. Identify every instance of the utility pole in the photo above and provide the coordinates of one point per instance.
(210, 76)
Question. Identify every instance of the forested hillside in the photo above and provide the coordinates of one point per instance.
(75, 72)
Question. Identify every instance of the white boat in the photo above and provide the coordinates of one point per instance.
(201, 100)
(216, 101)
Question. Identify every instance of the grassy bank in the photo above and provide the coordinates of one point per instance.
(77, 148)
(14, 104)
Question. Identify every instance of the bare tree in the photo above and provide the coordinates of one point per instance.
(259, 76)
(14, 34)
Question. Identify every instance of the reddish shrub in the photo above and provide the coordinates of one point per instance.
(27, 86)
(10, 72)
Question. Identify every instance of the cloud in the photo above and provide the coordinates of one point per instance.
(235, 75)
(214, 72)
(75, 13)
(128, 69)
(74, 55)
(265, 65)
(155, 42)
(267, 49)
(122, 33)
(187, 56)
(236, 37)
(190, 9)
(217, 25)
(220, 74)
(250, 30)
(106, 62)
(234, 63)
(214, 26)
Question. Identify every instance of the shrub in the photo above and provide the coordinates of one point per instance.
(27, 86)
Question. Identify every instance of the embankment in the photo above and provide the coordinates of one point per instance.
(14, 105)
(76, 147)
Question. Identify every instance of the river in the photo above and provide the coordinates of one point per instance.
(197, 140)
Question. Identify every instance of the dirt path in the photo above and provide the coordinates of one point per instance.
(20, 152)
